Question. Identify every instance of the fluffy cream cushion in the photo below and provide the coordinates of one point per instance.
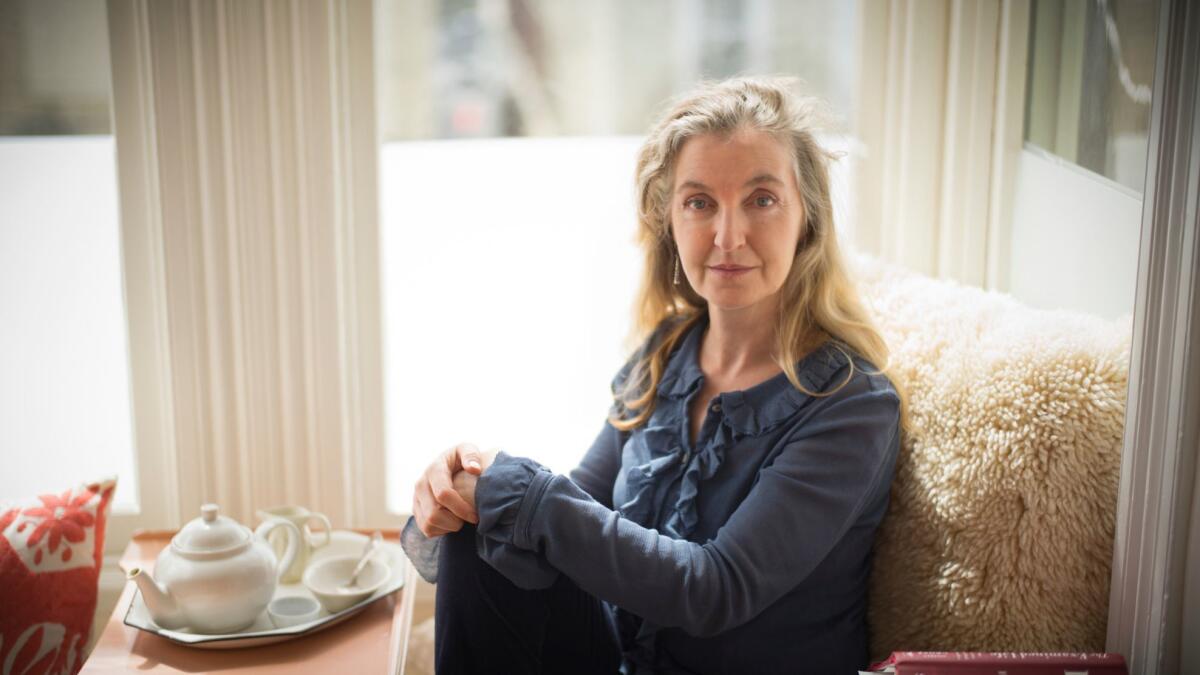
(999, 535)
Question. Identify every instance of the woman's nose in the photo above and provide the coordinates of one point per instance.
(731, 230)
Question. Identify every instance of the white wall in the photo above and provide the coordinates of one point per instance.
(1074, 237)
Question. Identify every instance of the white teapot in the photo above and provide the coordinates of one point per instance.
(216, 576)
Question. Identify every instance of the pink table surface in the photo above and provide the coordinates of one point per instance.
(375, 641)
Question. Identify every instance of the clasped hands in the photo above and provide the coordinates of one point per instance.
(444, 496)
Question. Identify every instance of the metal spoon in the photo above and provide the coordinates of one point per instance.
(372, 544)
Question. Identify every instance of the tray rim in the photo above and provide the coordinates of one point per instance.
(264, 637)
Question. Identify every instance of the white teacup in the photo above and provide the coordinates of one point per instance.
(300, 517)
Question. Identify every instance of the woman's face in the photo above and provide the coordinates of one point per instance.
(735, 216)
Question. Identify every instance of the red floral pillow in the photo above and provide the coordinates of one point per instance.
(50, 556)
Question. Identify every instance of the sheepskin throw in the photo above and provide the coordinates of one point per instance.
(999, 536)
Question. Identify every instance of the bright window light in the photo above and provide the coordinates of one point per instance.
(65, 407)
(509, 269)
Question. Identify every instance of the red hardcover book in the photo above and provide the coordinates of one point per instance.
(1000, 663)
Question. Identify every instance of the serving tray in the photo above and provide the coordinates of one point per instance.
(262, 631)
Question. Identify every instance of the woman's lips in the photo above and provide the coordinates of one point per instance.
(730, 272)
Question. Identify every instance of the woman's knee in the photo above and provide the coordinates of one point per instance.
(458, 550)
(460, 565)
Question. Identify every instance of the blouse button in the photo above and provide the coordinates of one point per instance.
(716, 407)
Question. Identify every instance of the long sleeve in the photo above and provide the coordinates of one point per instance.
(828, 472)
(595, 475)
(597, 471)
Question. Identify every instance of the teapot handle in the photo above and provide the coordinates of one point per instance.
(293, 541)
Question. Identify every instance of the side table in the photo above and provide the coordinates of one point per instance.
(375, 641)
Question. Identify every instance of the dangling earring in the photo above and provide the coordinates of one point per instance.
(676, 269)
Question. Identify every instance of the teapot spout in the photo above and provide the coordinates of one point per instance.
(162, 606)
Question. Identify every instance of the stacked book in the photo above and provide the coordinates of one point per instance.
(999, 663)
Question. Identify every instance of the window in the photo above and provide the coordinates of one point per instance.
(1080, 177)
(509, 133)
(64, 400)
(1091, 65)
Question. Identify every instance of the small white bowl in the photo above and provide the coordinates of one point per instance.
(325, 578)
(293, 611)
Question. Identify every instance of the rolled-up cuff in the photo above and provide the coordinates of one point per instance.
(421, 550)
(507, 496)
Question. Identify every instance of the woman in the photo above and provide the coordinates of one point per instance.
(722, 520)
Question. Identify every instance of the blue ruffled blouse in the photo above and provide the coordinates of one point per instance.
(748, 552)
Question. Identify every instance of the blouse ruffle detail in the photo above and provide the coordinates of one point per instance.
(657, 452)
(650, 453)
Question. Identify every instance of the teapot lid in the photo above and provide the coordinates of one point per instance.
(211, 533)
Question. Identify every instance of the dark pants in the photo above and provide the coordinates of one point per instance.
(485, 624)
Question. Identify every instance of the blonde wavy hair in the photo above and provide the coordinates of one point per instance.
(817, 293)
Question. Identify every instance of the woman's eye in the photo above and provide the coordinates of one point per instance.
(764, 200)
(696, 203)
